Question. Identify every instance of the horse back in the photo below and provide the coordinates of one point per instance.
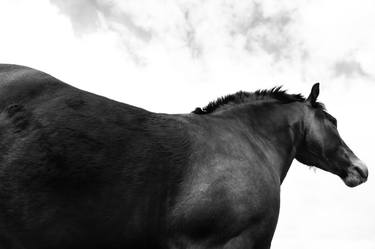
(79, 168)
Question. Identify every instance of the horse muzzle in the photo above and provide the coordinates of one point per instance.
(357, 173)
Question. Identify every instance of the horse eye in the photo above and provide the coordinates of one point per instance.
(331, 119)
(334, 121)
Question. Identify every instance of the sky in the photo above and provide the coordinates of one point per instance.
(174, 55)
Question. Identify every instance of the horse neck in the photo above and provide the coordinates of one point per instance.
(275, 130)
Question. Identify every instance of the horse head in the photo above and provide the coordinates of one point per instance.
(323, 147)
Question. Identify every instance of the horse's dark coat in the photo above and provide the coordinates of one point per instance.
(78, 170)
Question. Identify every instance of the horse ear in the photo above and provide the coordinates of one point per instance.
(314, 94)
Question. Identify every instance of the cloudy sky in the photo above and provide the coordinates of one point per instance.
(171, 56)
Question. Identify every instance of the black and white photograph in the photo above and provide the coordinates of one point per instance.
(187, 124)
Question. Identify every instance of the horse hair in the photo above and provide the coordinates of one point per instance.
(275, 93)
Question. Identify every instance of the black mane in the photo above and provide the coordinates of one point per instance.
(275, 93)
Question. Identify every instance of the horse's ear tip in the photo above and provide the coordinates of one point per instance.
(315, 88)
(313, 94)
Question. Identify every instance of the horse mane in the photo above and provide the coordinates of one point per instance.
(275, 93)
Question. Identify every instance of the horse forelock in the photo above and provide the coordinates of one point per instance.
(275, 93)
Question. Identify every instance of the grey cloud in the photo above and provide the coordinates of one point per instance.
(349, 68)
(270, 33)
(278, 21)
(91, 15)
(190, 36)
(85, 16)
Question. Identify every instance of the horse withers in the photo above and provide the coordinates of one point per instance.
(78, 170)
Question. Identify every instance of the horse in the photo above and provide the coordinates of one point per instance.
(78, 170)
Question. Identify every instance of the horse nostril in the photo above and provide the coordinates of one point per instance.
(361, 171)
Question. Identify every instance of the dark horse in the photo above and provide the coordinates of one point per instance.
(78, 170)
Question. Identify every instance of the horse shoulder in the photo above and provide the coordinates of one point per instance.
(224, 193)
